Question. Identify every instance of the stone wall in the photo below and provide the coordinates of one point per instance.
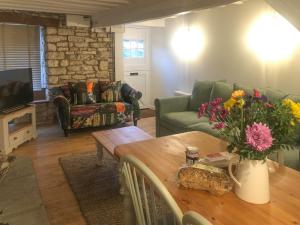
(72, 54)
(78, 54)
(75, 54)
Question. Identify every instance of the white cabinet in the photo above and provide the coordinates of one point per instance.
(13, 135)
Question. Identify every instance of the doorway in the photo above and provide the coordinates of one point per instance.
(136, 59)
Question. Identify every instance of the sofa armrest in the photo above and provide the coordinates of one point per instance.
(166, 105)
(128, 93)
(172, 104)
(132, 96)
(63, 111)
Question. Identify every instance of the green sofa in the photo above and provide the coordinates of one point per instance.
(180, 114)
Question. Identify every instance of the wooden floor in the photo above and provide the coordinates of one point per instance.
(59, 200)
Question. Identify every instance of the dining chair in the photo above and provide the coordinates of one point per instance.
(193, 218)
(152, 203)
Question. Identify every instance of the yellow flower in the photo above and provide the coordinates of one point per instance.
(241, 103)
(238, 94)
(293, 123)
(229, 104)
(295, 108)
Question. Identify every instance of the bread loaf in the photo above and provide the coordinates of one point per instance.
(204, 177)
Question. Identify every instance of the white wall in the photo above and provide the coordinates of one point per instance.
(119, 62)
(226, 55)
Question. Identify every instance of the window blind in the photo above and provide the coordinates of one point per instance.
(20, 48)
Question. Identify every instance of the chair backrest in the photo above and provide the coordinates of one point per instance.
(193, 218)
(152, 202)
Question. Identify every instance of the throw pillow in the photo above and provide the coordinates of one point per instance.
(90, 92)
(78, 93)
(274, 95)
(97, 92)
(73, 93)
(110, 91)
(81, 92)
(200, 94)
(66, 91)
(247, 89)
(221, 90)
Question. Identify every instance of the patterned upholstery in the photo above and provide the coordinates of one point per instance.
(100, 114)
(74, 116)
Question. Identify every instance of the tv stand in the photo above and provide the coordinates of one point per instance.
(12, 109)
(12, 134)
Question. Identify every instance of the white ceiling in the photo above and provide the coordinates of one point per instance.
(290, 9)
(112, 12)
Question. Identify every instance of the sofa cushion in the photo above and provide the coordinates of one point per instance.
(182, 119)
(247, 89)
(275, 95)
(78, 92)
(200, 94)
(222, 90)
(110, 91)
(90, 97)
(102, 108)
(204, 127)
(295, 98)
(66, 91)
(100, 114)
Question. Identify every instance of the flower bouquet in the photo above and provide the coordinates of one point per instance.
(254, 128)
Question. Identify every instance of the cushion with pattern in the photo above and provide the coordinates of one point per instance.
(90, 98)
(110, 91)
(66, 91)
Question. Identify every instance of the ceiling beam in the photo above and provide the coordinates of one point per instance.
(19, 18)
(99, 1)
(93, 6)
(48, 9)
(145, 10)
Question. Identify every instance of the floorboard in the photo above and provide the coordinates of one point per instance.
(59, 200)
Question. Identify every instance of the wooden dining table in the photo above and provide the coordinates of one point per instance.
(165, 155)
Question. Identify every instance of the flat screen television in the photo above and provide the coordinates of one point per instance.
(15, 88)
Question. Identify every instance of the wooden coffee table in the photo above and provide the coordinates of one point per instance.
(108, 140)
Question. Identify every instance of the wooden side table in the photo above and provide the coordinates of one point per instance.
(13, 134)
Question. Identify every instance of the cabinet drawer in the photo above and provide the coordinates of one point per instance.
(20, 137)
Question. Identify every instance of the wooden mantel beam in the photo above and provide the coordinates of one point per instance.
(151, 9)
(23, 18)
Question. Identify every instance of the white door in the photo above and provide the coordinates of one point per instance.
(136, 57)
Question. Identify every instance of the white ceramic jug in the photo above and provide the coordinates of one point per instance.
(251, 181)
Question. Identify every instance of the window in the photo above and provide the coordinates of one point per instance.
(20, 48)
(133, 49)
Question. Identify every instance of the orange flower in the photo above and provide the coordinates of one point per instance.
(238, 94)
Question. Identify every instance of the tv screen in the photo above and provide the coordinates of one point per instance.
(15, 88)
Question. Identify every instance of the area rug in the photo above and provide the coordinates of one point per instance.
(145, 113)
(96, 188)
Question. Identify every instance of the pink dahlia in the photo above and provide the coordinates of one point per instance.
(259, 137)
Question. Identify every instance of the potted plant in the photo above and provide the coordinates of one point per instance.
(254, 128)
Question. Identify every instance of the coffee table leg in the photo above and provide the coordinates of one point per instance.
(99, 154)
